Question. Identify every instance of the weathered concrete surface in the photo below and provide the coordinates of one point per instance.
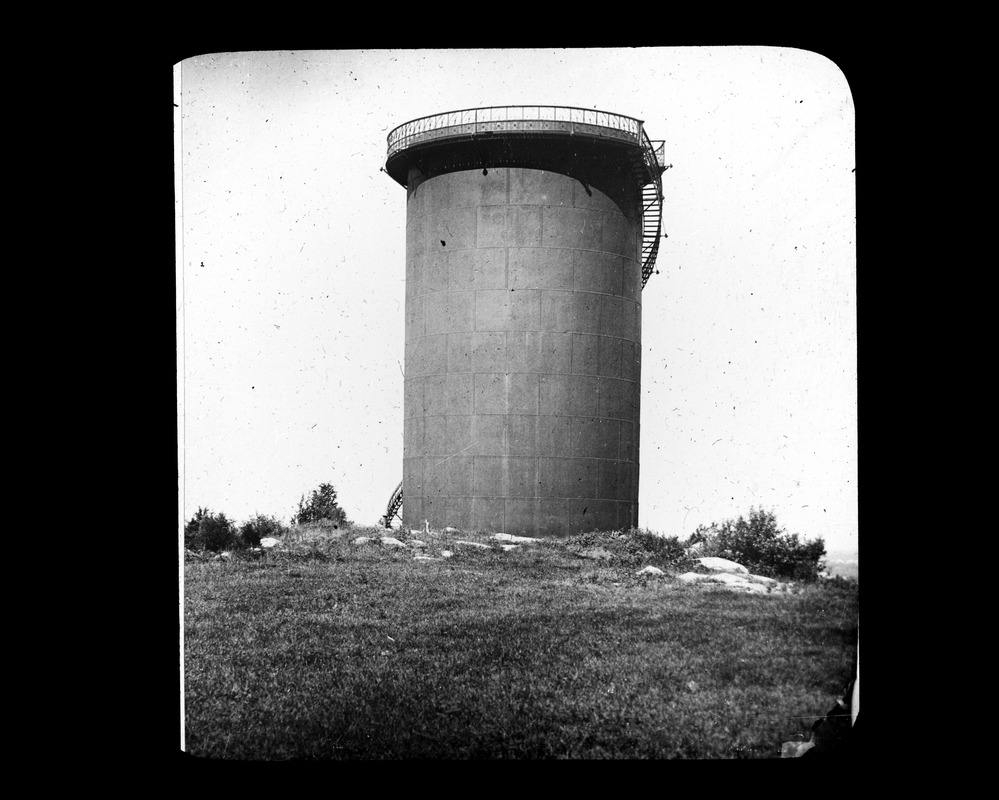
(523, 353)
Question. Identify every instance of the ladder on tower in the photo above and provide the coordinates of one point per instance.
(394, 504)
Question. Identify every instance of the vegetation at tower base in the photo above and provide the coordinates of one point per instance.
(762, 546)
(260, 526)
(209, 531)
(320, 507)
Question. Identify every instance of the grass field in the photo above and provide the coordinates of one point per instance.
(328, 650)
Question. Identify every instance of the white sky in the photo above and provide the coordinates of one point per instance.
(291, 268)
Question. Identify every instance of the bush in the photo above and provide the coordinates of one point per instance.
(259, 527)
(635, 547)
(321, 506)
(666, 551)
(208, 531)
(763, 547)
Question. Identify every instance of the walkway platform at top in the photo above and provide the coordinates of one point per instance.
(525, 126)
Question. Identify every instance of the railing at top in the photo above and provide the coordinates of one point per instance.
(516, 118)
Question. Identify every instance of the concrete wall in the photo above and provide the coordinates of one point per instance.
(523, 354)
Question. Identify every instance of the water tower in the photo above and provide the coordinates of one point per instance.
(530, 233)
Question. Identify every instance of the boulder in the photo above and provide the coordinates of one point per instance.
(650, 570)
(693, 577)
(716, 564)
(731, 581)
(473, 544)
(510, 546)
(446, 554)
(269, 541)
(388, 541)
(417, 543)
(363, 540)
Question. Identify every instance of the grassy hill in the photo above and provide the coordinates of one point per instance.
(324, 649)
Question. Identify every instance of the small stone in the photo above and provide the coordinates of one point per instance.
(795, 749)
(363, 540)
(388, 541)
(650, 570)
(446, 554)
(269, 541)
(510, 546)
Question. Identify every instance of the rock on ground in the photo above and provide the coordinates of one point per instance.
(716, 564)
(509, 537)
(391, 542)
(795, 749)
(730, 581)
(650, 570)
(736, 582)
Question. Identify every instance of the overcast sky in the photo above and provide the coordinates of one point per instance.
(291, 268)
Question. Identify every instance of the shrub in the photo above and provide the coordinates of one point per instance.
(762, 546)
(635, 547)
(664, 550)
(259, 527)
(208, 531)
(321, 505)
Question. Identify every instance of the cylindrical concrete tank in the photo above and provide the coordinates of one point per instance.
(524, 273)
